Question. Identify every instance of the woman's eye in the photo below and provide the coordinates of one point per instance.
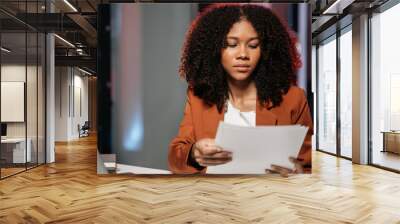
(253, 46)
(232, 45)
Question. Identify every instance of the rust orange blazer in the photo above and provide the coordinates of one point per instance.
(201, 121)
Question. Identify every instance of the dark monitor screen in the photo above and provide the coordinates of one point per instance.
(3, 129)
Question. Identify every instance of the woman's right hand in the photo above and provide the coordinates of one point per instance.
(206, 153)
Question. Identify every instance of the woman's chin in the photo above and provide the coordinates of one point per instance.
(240, 77)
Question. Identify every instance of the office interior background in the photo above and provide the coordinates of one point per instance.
(48, 82)
(49, 77)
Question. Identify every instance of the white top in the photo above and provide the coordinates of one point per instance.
(236, 117)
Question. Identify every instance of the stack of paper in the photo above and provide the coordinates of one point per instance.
(254, 149)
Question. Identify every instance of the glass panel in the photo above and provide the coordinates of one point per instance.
(13, 87)
(346, 94)
(41, 98)
(385, 84)
(32, 85)
(31, 100)
(327, 96)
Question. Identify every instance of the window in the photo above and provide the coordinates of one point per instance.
(385, 88)
(346, 93)
(327, 96)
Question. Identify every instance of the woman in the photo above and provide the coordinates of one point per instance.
(240, 63)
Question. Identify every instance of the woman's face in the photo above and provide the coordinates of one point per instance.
(242, 52)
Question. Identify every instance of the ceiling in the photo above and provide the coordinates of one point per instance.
(76, 24)
(76, 21)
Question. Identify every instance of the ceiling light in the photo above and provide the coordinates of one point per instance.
(84, 71)
(5, 50)
(70, 5)
(64, 40)
(337, 7)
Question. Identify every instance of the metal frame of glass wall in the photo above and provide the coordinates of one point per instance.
(27, 55)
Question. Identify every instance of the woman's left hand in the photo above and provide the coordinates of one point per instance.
(284, 171)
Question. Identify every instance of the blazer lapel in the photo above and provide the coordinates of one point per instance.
(211, 119)
(265, 116)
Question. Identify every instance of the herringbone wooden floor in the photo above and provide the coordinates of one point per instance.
(69, 191)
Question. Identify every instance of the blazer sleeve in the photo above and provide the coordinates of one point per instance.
(303, 117)
(181, 145)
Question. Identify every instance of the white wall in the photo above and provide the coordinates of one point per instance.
(71, 93)
(61, 104)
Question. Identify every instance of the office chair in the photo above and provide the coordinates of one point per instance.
(84, 130)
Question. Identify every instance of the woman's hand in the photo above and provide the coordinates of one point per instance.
(206, 153)
(284, 171)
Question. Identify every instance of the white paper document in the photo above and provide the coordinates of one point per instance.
(254, 149)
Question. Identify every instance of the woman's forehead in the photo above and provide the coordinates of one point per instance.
(242, 30)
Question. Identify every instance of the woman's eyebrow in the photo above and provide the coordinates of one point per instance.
(236, 38)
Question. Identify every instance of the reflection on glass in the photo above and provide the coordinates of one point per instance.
(327, 96)
(346, 94)
(385, 84)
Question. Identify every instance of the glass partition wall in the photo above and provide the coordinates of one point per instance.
(22, 88)
(13, 110)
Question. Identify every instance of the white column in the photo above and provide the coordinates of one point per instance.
(50, 92)
(50, 99)
(360, 90)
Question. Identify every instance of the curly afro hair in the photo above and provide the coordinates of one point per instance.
(201, 58)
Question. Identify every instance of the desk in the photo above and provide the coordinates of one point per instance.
(15, 148)
(123, 168)
(391, 141)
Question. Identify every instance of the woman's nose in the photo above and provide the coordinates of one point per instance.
(243, 54)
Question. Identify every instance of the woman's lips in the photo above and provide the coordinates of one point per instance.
(242, 68)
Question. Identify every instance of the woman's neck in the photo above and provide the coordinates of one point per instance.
(242, 91)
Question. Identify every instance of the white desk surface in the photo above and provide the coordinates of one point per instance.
(13, 140)
(19, 153)
(123, 168)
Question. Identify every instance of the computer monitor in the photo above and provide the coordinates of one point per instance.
(3, 129)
